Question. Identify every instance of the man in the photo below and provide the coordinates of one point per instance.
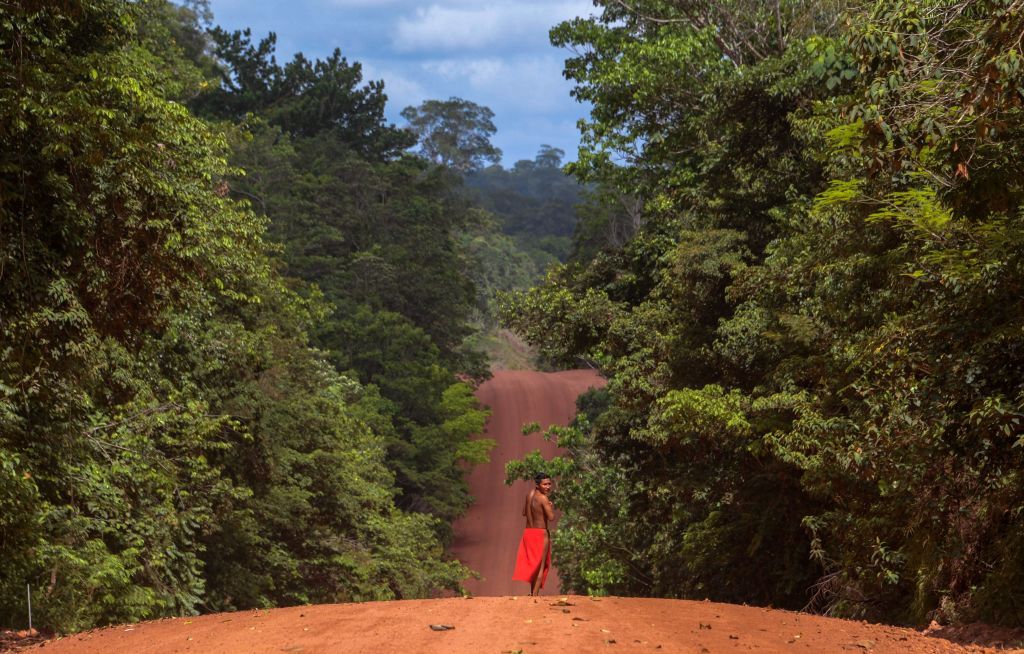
(534, 557)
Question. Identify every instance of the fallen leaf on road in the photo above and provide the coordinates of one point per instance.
(442, 627)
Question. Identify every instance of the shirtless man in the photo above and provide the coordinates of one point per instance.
(534, 557)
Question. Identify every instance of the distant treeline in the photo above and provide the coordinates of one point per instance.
(535, 202)
(233, 315)
(803, 275)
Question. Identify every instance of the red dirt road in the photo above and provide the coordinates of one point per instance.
(486, 538)
(489, 625)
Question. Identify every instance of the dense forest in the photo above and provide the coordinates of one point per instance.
(234, 314)
(239, 311)
(535, 202)
(803, 279)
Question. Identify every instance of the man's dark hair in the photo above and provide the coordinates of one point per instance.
(540, 476)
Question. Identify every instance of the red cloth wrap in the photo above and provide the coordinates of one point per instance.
(533, 557)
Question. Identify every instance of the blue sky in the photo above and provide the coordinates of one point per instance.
(493, 52)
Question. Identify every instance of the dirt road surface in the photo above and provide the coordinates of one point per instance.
(486, 538)
(491, 625)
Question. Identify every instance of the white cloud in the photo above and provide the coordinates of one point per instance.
(374, 4)
(363, 3)
(528, 83)
(493, 52)
(449, 28)
(478, 72)
(401, 89)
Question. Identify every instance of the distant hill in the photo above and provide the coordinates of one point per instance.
(534, 201)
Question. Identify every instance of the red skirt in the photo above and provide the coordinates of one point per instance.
(533, 558)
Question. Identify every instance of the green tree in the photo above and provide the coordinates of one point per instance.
(379, 238)
(455, 133)
(714, 168)
(164, 422)
(303, 97)
(811, 337)
(534, 202)
(910, 427)
(109, 223)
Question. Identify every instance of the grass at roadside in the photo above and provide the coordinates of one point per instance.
(505, 350)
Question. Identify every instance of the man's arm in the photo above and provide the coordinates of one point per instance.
(549, 509)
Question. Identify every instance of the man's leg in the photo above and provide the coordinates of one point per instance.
(535, 589)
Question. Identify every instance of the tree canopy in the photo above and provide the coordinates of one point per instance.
(304, 98)
(811, 327)
(207, 394)
(534, 201)
(454, 133)
(237, 314)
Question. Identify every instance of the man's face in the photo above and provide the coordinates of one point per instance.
(545, 486)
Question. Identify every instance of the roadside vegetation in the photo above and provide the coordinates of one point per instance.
(242, 315)
(234, 315)
(801, 272)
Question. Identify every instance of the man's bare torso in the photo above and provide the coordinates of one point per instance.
(538, 510)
